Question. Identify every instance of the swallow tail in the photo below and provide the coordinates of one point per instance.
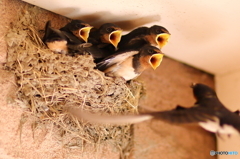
(104, 119)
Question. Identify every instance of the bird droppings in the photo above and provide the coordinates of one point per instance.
(48, 83)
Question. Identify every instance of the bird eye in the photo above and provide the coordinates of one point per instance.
(158, 31)
(79, 25)
(110, 30)
(151, 51)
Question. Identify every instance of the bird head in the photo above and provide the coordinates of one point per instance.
(110, 33)
(160, 35)
(151, 56)
(202, 91)
(80, 29)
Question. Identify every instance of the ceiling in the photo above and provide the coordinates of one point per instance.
(205, 34)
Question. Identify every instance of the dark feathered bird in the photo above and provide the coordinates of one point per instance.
(156, 36)
(131, 63)
(107, 33)
(105, 38)
(55, 39)
(208, 112)
(64, 41)
(78, 28)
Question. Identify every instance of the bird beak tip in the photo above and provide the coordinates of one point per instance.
(115, 38)
(155, 60)
(84, 33)
(162, 39)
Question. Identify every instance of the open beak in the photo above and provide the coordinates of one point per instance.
(155, 60)
(115, 37)
(162, 39)
(84, 33)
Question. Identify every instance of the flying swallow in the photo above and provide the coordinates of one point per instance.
(55, 39)
(78, 28)
(132, 63)
(156, 36)
(207, 111)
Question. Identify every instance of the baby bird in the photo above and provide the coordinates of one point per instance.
(55, 40)
(156, 36)
(130, 64)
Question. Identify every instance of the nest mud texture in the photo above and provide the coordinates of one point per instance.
(49, 82)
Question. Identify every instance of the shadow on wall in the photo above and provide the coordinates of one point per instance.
(127, 23)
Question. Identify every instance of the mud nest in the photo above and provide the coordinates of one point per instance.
(49, 82)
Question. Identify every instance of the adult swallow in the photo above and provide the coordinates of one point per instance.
(207, 111)
(106, 34)
(78, 28)
(156, 36)
(55, 39)
(132, 63)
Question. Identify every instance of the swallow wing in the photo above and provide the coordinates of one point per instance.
(115, 59)
(133, 38)
(72, 39)
(181, 115)
(133, 34)
(52, 34)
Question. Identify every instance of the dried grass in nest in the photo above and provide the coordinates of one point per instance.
(48, 82)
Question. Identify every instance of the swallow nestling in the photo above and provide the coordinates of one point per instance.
(64, 42)
(78, 28)
(74, 44)
(207, 111)
(131, 64)
(105, 41)
(55, 39)
(156, 36)
(107, 33)
(77, 33)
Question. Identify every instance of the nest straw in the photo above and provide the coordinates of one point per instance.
(48, 82)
